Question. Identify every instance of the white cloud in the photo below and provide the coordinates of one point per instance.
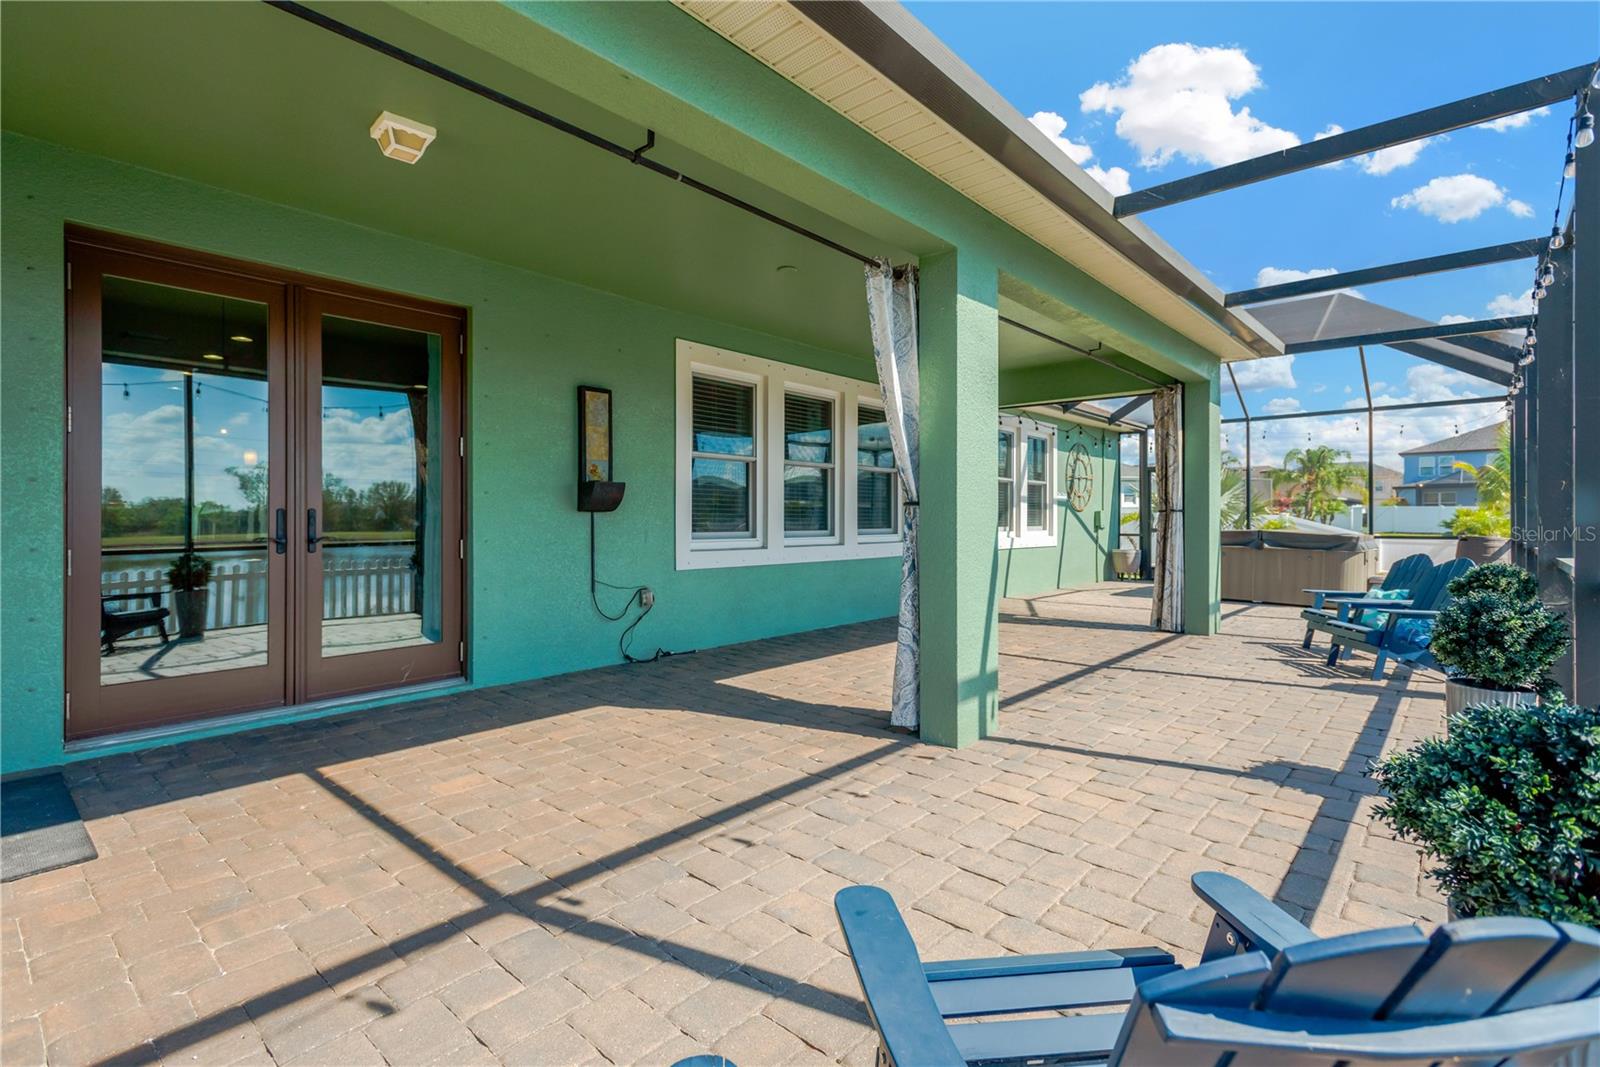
(1507, 305)
(1273, 372)
(1514, 122)
(1282, 405)
(1385, 160)
(1320, 387)
(1053, 126)
(1280, 275)
(1175, 100)
(1520, 208)
(1458, 198)
(1115, 179)
(1448, 320)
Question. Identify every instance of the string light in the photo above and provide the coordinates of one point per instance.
(1556, 240)
(1570, 168)
(1585, 135)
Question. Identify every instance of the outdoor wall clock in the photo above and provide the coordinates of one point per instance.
(1080, 477)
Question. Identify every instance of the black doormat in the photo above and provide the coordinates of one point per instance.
(39, 828)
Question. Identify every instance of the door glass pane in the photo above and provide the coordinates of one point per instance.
(184, 524)
(380, 512)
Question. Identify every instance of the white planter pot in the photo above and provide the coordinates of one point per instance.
(1125, 560)
(1460, 695)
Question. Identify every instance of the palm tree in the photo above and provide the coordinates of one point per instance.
(1314, 478)
(1233, 482)
(1494, 477)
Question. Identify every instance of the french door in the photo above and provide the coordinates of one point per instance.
(264, 489)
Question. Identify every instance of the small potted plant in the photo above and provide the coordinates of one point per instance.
(190, 579)
(1508, 805)
(1495, 640)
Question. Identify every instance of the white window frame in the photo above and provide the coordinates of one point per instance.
(755, 461)
(1426, 465)
(1019, 535)
(833, 534)
(892, 534)
(769, 544)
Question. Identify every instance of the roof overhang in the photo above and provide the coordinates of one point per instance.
(878, 66)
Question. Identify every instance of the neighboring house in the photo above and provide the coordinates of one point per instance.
(1431, 477)
(1384, 482)
(382, 359)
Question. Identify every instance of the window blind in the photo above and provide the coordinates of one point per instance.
(724, 417)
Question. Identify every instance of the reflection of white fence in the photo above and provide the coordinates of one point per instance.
(351, 588)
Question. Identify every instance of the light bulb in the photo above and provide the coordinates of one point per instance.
(1531, 340)
(1548, 278)
(1570, 170)
(1527, 358)
(1556, 240)
(1540, 293)
(1585, 135)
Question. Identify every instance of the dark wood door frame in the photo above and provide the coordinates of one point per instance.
(323, 677)
(92, 709)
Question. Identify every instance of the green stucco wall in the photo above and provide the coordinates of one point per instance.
(533, 339)
(1081, 553)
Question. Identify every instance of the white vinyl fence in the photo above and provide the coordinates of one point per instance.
(351, 588)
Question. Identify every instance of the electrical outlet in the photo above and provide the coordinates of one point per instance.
(647, 597)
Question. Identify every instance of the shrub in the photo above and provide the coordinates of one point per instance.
(1277, 522)
(1495, 633)
(1509, 806)
(1478, 522)
(1506, 579)
(189, 571)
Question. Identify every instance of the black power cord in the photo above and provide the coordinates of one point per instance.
(636, 595)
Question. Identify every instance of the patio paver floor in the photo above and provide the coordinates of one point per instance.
(637, 863)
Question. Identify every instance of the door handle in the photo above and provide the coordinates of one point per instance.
(311, 530)
(280, 537)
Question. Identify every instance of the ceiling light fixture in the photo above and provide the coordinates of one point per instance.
(241, 338)
(402, 138)
(212, 356)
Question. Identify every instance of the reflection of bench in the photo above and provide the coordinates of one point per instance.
(115, 624)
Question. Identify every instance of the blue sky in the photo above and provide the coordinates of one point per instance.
(367, 434)
(1153, 91)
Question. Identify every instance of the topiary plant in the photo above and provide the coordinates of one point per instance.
(1495, 634)
(189, 571)
(1509, 806)
(1503, 578)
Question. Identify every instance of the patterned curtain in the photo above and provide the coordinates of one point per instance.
(1166, 607)
(892, 313)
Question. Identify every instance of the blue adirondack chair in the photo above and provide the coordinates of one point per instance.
(1497, 991)
(1406, 574)
(1398, 636)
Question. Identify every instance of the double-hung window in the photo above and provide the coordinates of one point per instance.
(1008, 482)
(877, 482)
(1026, 484)
(779, 464)
(1036, 502)
(807, 465)
(724, 477)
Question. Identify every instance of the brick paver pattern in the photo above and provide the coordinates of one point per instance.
(636, 863)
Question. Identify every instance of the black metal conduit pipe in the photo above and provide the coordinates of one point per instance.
(635, 156)
(1091, 353)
